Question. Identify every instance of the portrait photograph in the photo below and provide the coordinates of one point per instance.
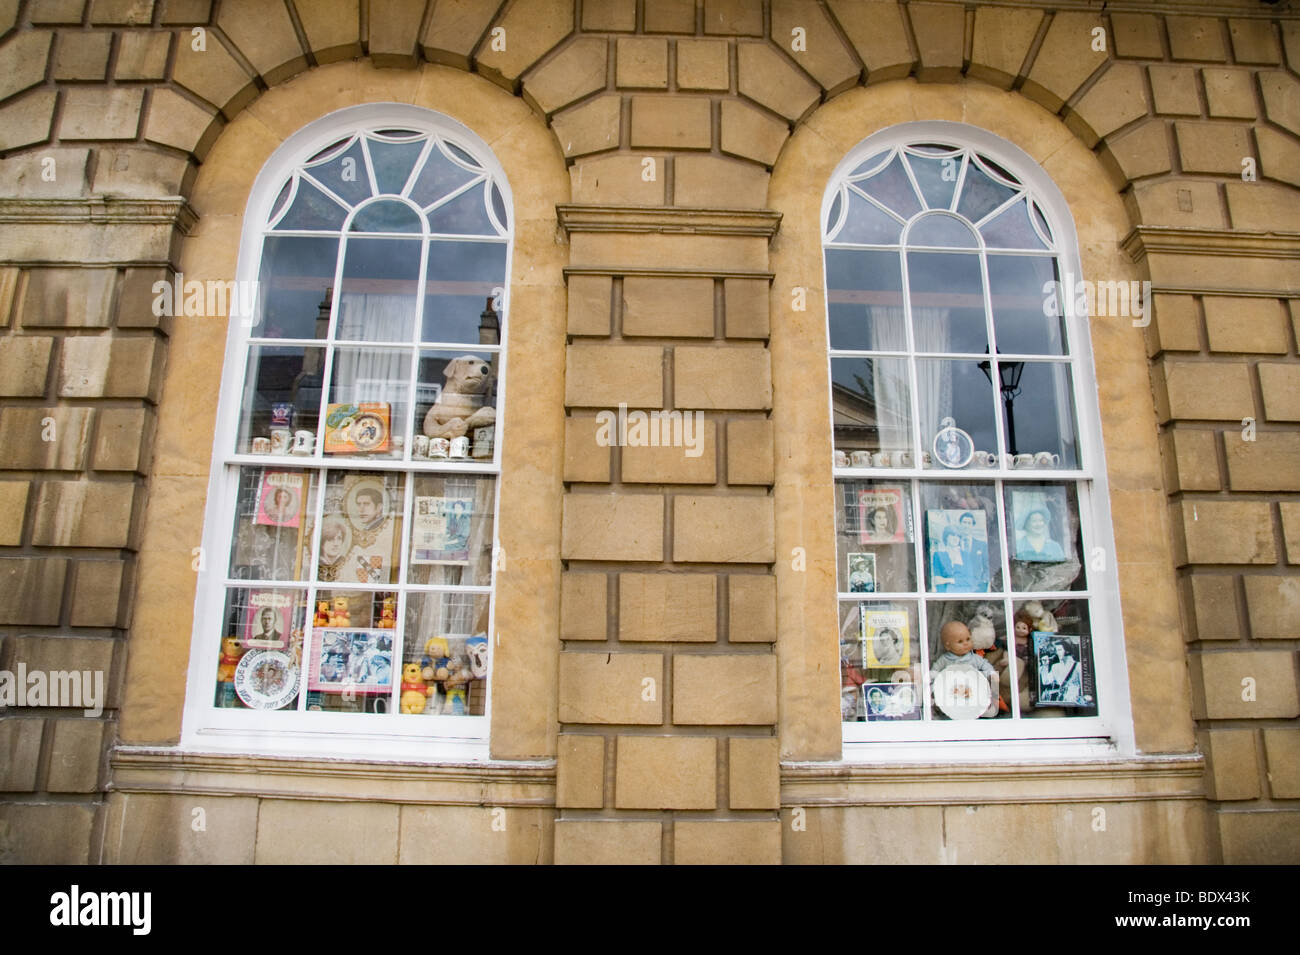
(372, 512)
(1062, 669)
(1039, 516)
(267, 621)
(885, 637)
(880, 515)
(891, 701)
(862, 573)
(359, 661)
(957, 544)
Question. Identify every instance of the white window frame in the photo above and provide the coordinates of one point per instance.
(389, 736)
(1110, 733)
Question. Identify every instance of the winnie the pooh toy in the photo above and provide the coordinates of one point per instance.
(460, 407)
(415, 692)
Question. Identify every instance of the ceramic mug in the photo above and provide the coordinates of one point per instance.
(881, 460)
(281, 438)
(1046, 459)
(1023, 461)
(459, 447)
(420, 447)
(304, 442)
(984, 459)
(861, 459)
(841, 459)
(903, 459)
(261, 446)
(926, 460)
(439, 447)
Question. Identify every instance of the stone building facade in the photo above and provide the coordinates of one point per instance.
(664, 675)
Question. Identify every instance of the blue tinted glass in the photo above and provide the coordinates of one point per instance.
(1010, 229)
(387, 216)
(1020, 304)
(941, 230)
(865, 299)
(464, 215)
(344, 174)
(313, 211)
(296, 278)
(459, 280)
(393, 163)
(867, 224)
(380, 289)
(892, 189)
(947, 302)
(937, 177)
(980, 194)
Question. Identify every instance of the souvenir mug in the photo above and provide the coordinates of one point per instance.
(280, 440)
(439, 447)
(459, 447)
(261, 445)
(861, 459)
(1046, 459)
(926, 460)
(420, 447)
(303, 442)
(984, 459)
(1023, 461)
(841, 459)
(903, 459)
(881, 459)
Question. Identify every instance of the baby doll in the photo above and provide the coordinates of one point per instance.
(959, 650)
(1024, 625)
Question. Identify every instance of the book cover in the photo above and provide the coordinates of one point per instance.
(356, 427)
(885, 636)
(882, 515)
(1061, 670)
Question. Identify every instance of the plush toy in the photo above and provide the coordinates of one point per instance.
(340, 616)
(458, 676)
(982, 634)
(322, 618)
(959, 652)
(460, 407)
(231, 651)
(388, 613)
(477, 648)
(1043, 621)
(1024, 625)
(415, 692)
(437, 655)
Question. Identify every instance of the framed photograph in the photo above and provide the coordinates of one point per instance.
(356, 661)
(885, 637)
(957, 544)
(268, 620)
(440, 530)
(368, 542)
(891, 701)
(862, 573)
(882, 515)
(953, 447)
(279, 499)
(1060, 670)
(356, 427)
(1040, 520)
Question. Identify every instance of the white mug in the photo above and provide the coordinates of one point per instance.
(861, 459)
(841, 459)
(1023, 461)
(1046, 459)
(280, 440)
(881, 459)
(903, 459)
(261, 446)
(304, 442)
(984, 459)
(459, 447)
(420, 448)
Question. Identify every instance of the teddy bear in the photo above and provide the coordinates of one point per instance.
(415, 692)
(437, 656)
(460, 408)
(1042, 618)
(340, 615)
(231, 652)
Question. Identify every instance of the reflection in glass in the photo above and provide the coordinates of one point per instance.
(865, 293)
(387, 215)
(393, 163)
(941, 230)
(464, 215)
(892, 189)
(980, 193)
(868, 224)
(1045, 438)
(871, 406)
(1020, 306)
(460, 278)
(956, 389)
(947, 294)
(282, 384)
(379, 290)
(937, 177)
(312, 210)
(295, 281)
(344, 174)
(1011, 229)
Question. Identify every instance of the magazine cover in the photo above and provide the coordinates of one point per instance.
(891, 701)
(267, 620)
(1060, 670)
(957, 544)
(1040, 520)
(440, 530)
(357, 661)
(884, 633)
(279, 499)
(882, 515)
(356, 427)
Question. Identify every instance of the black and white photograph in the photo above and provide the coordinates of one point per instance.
(862, 573)
(1062, 668)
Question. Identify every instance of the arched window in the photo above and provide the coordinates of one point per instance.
(976, 578)
(351, 519)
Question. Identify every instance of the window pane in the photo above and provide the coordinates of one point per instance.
(941, 230)
(456, 395)
(361, 531)
(369, 402)
(437, 177)
(350, 666)
(1043, 536)
(344, 174)
(261, 646)
(447, 640)
(451, 530)
(296, 278)
(271, 516)
(464, 215)
(867, 224)
(1042, 435)
(961, 392)
(892, 189)
(937, 177)
(1020, 305)
(1011, 229)
(1059, 678)
(312, 210)
(393, 163)
(874, 534)
(380, 290)
(947, 294)
(865, 294)
(980, 194)
(282, 384)
(879, 666)
(962, 551)
(460, 278)
(387, 215)
(967, 641)
(872, 408)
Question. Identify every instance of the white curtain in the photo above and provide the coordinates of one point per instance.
(933, 377)
(893, 407)
(374, 374)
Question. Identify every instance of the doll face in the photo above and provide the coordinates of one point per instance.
(1022, 631)
(956, 638)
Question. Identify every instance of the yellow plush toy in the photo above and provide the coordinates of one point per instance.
(437, 658)
(415, 693)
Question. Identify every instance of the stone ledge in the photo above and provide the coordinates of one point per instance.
(668, 219)
(100, 211)
(496, 783)
(1217, 242)
(1124, 779)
